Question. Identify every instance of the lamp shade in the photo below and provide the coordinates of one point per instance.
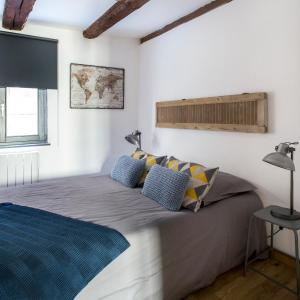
(280, 158)
(134, 138)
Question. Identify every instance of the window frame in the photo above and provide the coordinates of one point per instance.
(29, 140)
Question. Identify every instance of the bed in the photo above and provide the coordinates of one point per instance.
(172, 253)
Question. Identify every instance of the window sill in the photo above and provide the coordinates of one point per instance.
(20, 145)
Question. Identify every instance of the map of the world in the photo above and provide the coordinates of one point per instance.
(96, 87)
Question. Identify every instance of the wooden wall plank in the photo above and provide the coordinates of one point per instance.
(244, 113)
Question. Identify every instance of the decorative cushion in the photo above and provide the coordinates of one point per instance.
(201, 180)
(139, 154)
(150, 161)
(166, 187)
(128, 171)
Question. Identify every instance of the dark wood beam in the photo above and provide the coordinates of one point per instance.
(195, 14)
(16, 13)
(120, 10)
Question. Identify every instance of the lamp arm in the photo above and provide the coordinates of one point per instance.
(140, 141)
(291, 150)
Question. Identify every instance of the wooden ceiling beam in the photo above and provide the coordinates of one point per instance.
(120, 10)
(195, 14)
(16, 13)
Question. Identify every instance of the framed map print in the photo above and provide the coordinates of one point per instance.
(96, 87)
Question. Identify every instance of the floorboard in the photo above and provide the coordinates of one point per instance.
(234, 286)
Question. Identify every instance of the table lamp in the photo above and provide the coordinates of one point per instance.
(281, 159)
(135, 139)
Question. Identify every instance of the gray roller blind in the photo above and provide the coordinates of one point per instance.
(27, 61)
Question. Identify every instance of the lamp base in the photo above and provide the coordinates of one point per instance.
(285, 214)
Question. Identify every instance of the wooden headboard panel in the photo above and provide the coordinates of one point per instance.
(244, 113)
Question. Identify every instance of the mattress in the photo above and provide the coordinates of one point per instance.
(171, 253)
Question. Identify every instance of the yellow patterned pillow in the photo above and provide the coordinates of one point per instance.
(138, 154)
(201, 180)
(150, 161)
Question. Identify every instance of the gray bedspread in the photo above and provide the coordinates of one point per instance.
(171, 253)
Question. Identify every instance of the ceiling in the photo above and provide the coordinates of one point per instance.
(81, 14)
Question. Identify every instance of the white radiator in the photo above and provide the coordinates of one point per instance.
(19, 168)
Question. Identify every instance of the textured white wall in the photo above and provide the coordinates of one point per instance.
(245, 46)
(86, 141)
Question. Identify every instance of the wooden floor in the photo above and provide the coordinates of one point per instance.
(234, 286)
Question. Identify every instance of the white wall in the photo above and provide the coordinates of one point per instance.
(86, 141)
(245, 46)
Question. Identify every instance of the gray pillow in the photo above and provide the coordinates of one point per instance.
(128, 171)
(225, 186)
(166, 187)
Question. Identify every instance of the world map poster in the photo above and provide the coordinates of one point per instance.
(97, 87)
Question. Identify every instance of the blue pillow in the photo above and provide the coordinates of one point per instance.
(128, 171)
(165, 186)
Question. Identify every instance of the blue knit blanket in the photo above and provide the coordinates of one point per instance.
(44, 256)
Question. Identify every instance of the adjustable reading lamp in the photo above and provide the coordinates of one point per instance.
(135, 139)
(283, 158)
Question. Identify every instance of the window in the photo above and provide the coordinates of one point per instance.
(23, 116)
